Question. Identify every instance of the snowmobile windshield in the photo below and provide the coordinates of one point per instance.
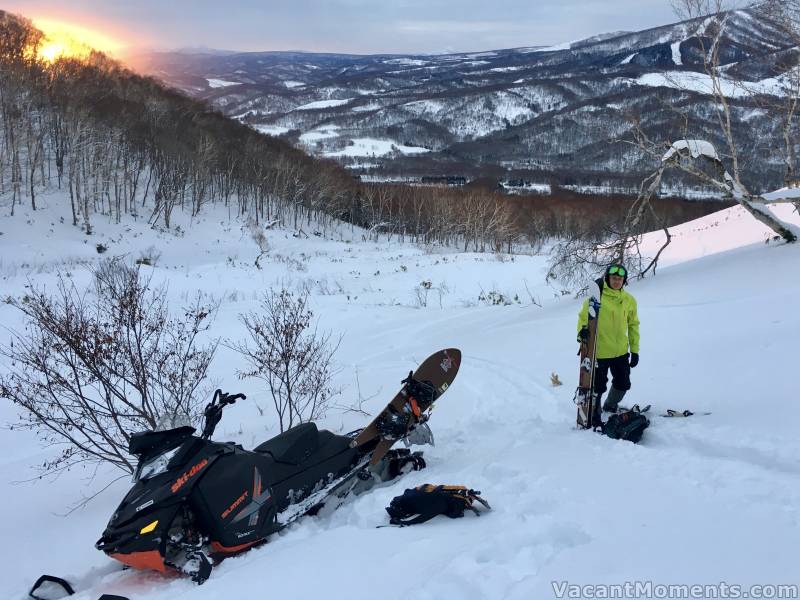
(155, 466)
(167, 422)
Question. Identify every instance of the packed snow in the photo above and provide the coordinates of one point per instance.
(323, 104)
(702, 500)
(408, 62)
(677, 59)
(425, 107)
(555, 48)
(697, 148)
(221, 83)
(321, 133)
(366, 107)
(793, 193)
(275, 130)
(375, 147)
(703, 84)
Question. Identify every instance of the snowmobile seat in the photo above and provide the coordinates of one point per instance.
(302, 442)
(294, 445)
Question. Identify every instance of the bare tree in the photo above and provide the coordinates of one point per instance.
(259, 236)
(698, 157)
(291, 356)
(786, 14)
(95, 367)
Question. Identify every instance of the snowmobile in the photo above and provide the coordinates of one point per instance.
(196, 501)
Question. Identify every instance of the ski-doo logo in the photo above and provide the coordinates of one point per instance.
(235, 505)
(188, 475)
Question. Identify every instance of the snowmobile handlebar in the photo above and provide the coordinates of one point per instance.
(213, 412)
(222, 398)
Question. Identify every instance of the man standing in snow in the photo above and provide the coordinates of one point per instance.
(617, 334)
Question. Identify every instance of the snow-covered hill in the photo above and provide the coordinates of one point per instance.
(702, 500)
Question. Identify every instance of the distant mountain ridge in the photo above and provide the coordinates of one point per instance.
(534, 115)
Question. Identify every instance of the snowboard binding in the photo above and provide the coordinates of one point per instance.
(396, 424)
(420, 392)
(393, 425)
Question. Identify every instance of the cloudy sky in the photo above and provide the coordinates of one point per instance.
(353, 26)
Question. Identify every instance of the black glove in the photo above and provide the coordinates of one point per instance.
(583, 335)
(634, 359)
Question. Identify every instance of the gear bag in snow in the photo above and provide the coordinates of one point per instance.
(426, 501)
(628, 426)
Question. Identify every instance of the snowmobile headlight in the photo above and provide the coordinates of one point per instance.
(155, 466)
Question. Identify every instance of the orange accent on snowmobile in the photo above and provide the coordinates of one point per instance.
(217, 547)
(414, 407)
(142, 560)
(188, 475)
(235, 505)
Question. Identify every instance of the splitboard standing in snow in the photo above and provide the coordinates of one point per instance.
(584, 395)
(608, 330)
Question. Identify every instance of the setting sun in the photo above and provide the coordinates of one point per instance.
(68, 40)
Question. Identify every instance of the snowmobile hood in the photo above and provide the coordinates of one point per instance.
(166, 489)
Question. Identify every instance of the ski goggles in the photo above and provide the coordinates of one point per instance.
(617, 270)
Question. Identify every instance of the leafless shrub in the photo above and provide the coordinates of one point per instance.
(149, 257)
(290, 356)
(421, 291)
(93, 367)
(290, 262)
(496, 298)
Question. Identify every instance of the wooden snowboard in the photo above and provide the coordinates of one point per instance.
(438, 370)
(584, 395)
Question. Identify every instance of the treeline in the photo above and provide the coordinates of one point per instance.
(121, 144)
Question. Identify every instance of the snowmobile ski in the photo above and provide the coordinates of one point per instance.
(48, 585)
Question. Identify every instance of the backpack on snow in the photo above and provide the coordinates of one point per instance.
(629, 425)
(426, 501)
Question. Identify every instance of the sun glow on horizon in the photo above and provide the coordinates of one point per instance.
(66, 40)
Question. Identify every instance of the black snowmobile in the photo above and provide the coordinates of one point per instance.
(196, 501)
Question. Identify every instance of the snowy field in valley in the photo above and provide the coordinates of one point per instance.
(702, 500)
(375, 147)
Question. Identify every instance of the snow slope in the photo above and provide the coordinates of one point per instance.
(699, 501)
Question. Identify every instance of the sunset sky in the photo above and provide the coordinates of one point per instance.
(353, 26)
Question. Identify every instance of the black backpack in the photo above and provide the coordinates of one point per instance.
(422, 503)
(629, 425)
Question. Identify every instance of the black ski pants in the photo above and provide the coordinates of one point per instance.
(620, 374)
